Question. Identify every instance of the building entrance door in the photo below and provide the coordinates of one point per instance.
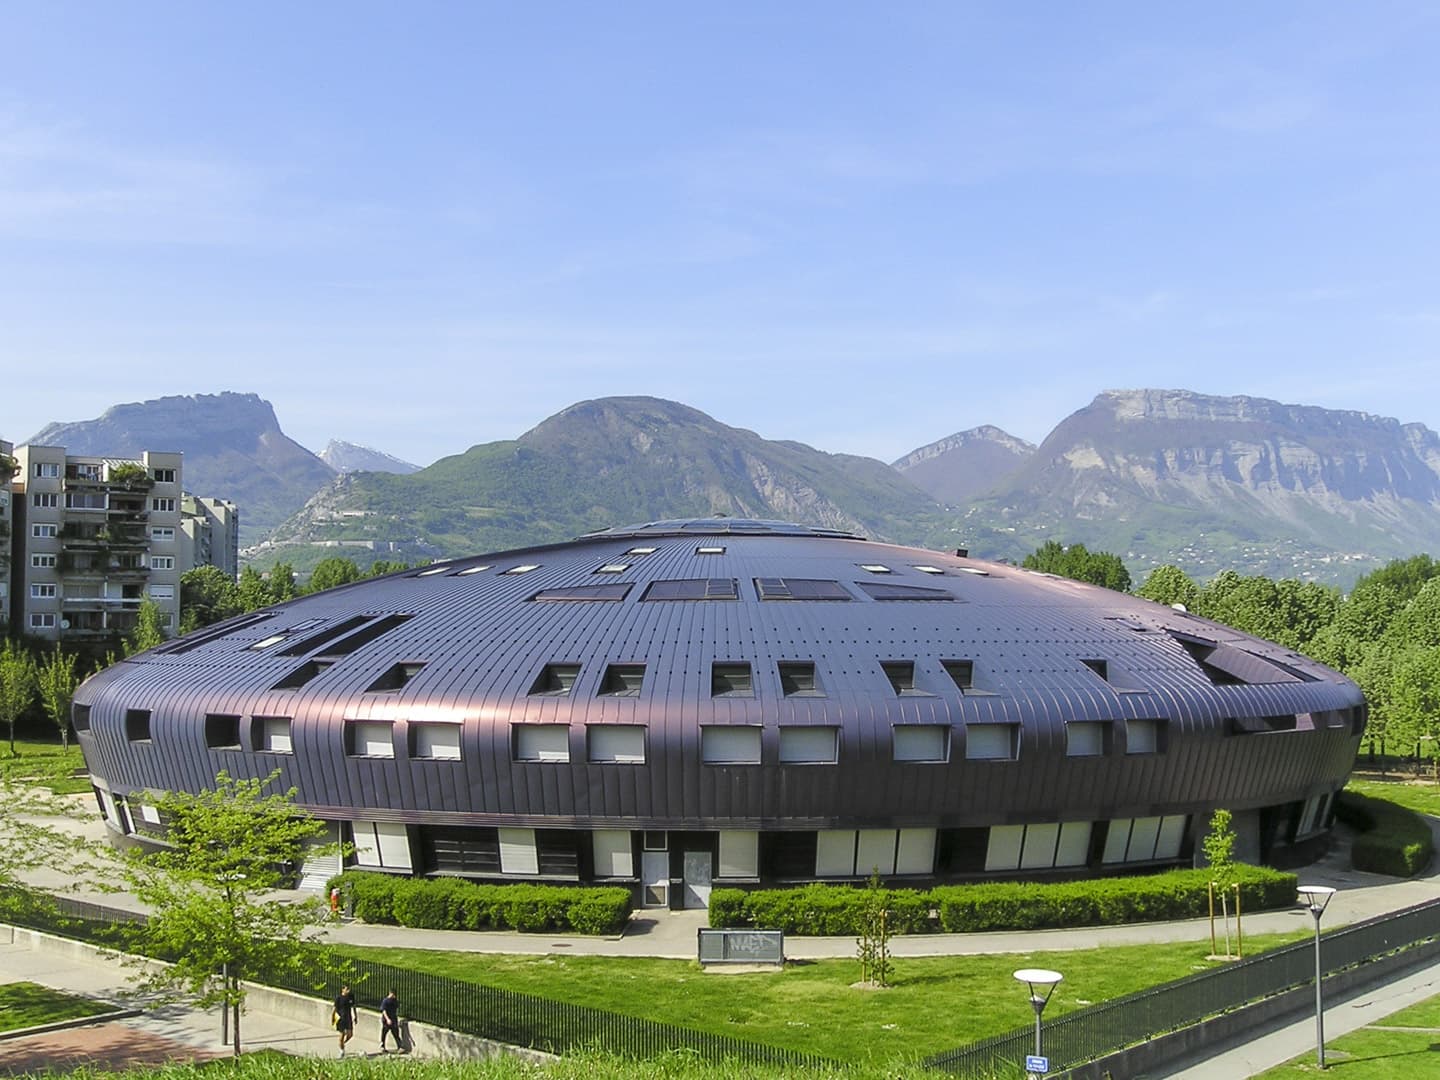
(697, 879)
(655, 870)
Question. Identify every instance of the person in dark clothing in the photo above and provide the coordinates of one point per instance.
(344, 1016)
(390, 1020)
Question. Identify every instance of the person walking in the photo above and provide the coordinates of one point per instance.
(390, 1020)
(344, 1016)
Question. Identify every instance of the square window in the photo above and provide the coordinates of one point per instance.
(555, 680)
(435, 741)
(222, 731)
(730, 745)
(797, 679)
(809, 745)
(992, 742)
(1144, 736)
(616, 744)
(731, 679)
(80, 717)
(541, 742)
(370, 738)
(901, 674)
(622, 680)
(921, 742)
(1087, 738)
(164, 476)
(137, 725)
(272, 734)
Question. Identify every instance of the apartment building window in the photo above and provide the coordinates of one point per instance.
(46, 500)
(165, 476)
(44, 532)
(162, 533)
(47, 470)
(42, 592)
(162, 506)
(42, 562)
(162, 562)
(161, 592)
(42, 620)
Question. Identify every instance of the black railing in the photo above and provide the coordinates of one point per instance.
(471, 1009)
(1093, 1032)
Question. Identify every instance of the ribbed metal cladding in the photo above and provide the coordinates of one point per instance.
(483, 641)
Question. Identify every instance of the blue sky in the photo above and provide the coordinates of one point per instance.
(864, 227)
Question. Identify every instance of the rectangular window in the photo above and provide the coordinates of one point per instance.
(613, 568)
(137, 725)
(622, 680)
(739, 854)
(1002, 852)
(518, 854)
(901, 674)
(1074, 846)
(915, 853)
(46, 500)
(797, 679)
(1144, 839)
(395, 677)
(370, 738)
(162, 562)
(222, 731)
(611, 591)
(83, 500)
(875, 851)
(162, 506)
(162, 533)
(42, 620)
(274, 734)
(921, 742)
(799, 589)
(541, 742)
(1144, 736)
(555, 680)
(164, 476)
(459, 850)
(835, 853)
(1086, 738)
(1037, 851)
(809, 745)
(730, 745)
(731, 679)
(42, 562)
(616, 744)
(161, 592)
(384, 844)
(42, 592)
(710, 549)
(47, 470)
(614, 853)
(694, 589)
(80, 717)
(440, 742)
(44, 532)
(992, 742)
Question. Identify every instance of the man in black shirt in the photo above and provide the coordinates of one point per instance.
(344, 1016)
(390, 1020)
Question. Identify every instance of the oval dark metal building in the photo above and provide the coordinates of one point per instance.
(687, 703)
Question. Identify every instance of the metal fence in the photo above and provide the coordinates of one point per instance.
(471, 1009)
(1090, 1033)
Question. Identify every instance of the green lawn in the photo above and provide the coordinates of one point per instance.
(1379, 1051)
(45, 764)
(25, 1004)
(1421, 796)
(933, 1003)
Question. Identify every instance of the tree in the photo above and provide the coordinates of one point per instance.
(17, 685)
(1219, 847)
(282, 583)
(228, 847)
(252, 592)
(1169, 585)
(1414, 698)
(207, 595)
(149, 628)
(329, 573)
(1080, 564)
(56, 680)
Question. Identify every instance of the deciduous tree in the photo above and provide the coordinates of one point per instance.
(17, 685)
(56, 680)
(329, 573)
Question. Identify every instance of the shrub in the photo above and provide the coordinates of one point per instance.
(457, 904)
(1392, 840)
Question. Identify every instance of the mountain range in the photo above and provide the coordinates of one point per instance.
(1155, 476)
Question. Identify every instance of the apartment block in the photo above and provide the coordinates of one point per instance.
(8, 468)
(211, 534)
(93, 537)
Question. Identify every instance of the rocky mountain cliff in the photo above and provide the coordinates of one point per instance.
(233, 446)
(607, 462)
(962, 466)
(1171, 475)
(347, 457)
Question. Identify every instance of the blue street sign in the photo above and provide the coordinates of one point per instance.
(1034, 1063)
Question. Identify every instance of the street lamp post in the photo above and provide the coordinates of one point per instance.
(1316, 897)
(1041, 984)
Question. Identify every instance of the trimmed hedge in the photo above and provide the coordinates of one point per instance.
(1392, 840)
(820, 910)
(457, 904)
